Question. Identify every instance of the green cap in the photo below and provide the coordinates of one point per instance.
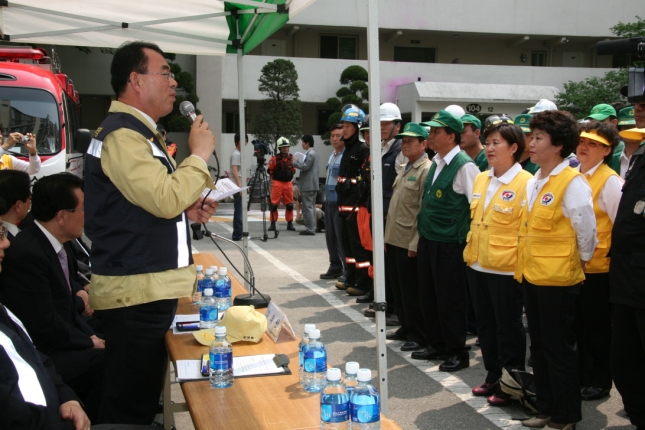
(445, 119)
(601, 112)
(472, 119)
(413, 129)
(523, 121)
(626, 116)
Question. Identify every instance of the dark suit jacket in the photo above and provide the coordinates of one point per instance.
(15, 412)
(33, 286)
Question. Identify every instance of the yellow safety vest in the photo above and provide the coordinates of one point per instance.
(599, 262)
(547, 250)
(6, 162)
(492, 240)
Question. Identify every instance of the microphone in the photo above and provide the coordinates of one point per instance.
(187, 109)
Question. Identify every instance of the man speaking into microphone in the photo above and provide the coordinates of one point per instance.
(137, 210)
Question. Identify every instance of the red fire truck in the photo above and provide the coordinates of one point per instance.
(35, 97)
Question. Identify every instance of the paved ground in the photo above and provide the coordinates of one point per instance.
(421, 397)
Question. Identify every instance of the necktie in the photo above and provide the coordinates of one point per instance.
(62, 257)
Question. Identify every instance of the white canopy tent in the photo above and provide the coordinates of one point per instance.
(200, 27)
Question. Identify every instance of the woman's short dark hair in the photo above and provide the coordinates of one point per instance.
(129, 58)
(54, 193)
(511, 133)
(309, 139)
(561, 126)
(14, 185)
(606, 130)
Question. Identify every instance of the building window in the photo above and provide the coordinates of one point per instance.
(414, 54)
(339, 47)
(323, 119)
(538, 58)
(232, 123)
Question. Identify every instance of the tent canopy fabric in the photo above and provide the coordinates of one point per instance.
(197, 27)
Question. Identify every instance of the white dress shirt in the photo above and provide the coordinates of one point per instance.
(610, 194)
(465, 177)
(577, 205)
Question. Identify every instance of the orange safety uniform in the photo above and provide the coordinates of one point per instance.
(281, 170)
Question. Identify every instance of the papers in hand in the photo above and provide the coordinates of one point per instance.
(300, 157)
(250, 365)
(224, 188)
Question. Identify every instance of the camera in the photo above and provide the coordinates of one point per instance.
(635, 89)
(24, 139)
(260, 150)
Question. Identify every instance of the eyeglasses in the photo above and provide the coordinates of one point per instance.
(3, 233)
(168, 75)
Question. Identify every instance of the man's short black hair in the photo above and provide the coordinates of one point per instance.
(54, 193)
(14, 186)
(337, 126)
(129, 58)
(309, 139)
(237, 138)
(449, 130)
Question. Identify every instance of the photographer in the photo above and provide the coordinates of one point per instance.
(281, 169)
(9, 162)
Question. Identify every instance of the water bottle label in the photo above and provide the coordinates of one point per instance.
(315, 364)
(222, 290)
(221, 361)
(205, 283)
(334, 413)
(208, 313)
(366, 413)
(300, 357)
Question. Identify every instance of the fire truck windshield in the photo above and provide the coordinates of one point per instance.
(30, 110)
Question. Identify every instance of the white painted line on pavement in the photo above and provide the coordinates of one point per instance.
(451, 382)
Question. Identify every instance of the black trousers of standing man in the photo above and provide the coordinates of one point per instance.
(135, 360)
(442, 294)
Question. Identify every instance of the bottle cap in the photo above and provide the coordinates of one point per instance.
(222, 271)
(364, 375)
(220, 330)
(208, 292)
(351, 367)
(199, 267)
(209, 272)
(333, 374)
(309, 327)
(214, 269)
(314, 334)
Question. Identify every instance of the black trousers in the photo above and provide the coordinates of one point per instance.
(355, 253)
(442, 294)
(628, 360)
(404, 279)
(135, 360)
(498, 302)
(550, 312)
(89, 385)
(593, 331)
(333, 239)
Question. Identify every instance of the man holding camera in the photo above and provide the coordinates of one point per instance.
(281, 169)
(10, 162)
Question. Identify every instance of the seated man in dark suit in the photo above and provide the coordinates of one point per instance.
(36, 286)
(15, 190)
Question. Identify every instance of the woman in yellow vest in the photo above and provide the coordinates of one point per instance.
(557, 238)
(491, 255)
(9, 162)
(593, 315)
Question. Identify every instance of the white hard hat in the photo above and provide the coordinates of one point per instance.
(390, 112)
(455, 110)
(283, 142)
(542, 106)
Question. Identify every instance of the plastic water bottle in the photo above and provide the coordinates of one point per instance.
(334, 403)
(214, 269)
(223, 290)
(207, 282)
(315, 362)
(301, 351)
(197, 296)
(351, 370)
(208, 310)
(365, 403)
(221, 360)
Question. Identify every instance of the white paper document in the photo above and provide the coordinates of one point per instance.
(300, 157)
(224, 188)
(249, 365)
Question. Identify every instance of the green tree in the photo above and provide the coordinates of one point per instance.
(175, 121)
(579, 97)
(354, 91)
(281, 113)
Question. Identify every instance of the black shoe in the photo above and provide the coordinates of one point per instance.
(454, 363)
(591, 393)
(369, 313)
(290, 226)
(355, 291)
(330, 275)
(271, 227)
(392, 321)
(396, 336)
(367, 298)
(429, 353)
(411, 346)
(307, 233)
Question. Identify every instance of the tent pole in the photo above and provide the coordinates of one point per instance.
(377, 196)
(242, 117)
